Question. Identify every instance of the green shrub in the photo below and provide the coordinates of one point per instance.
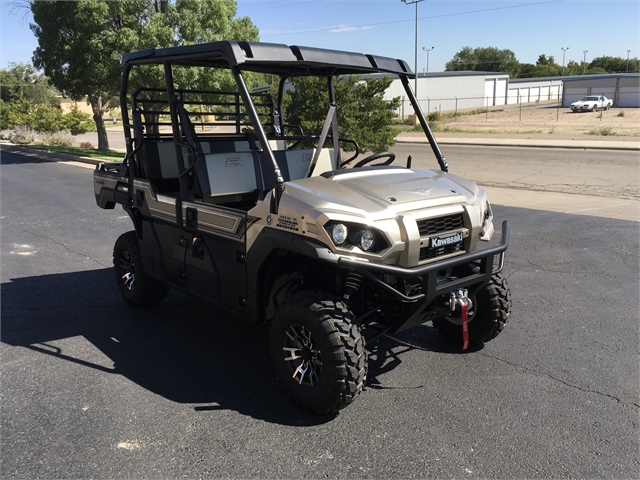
(78, 122)
(46, 119)
(14, 113)
(605, 132)
(620, 113)
(434, 116)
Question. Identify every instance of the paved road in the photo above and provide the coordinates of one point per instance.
(604, 183)
(92, 387)
(589, 182)
(600, 173)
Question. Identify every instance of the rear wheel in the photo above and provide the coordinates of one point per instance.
(488, 313)
(135, 287)
(318, 353)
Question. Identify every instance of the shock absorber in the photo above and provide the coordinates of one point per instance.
(352, 284)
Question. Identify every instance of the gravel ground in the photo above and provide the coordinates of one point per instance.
(545, 120)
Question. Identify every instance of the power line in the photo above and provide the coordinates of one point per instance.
(420, 18)
(262, 5)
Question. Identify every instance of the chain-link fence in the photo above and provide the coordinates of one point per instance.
(456, 106)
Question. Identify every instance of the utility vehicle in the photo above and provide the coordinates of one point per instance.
(232, 204)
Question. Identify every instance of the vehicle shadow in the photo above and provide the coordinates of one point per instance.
(386, 354)
(184, 350)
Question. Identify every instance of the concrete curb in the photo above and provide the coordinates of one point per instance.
(525, 143)
(528, 143)
(48, 156)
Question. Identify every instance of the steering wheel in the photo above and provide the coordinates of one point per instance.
(375, 156)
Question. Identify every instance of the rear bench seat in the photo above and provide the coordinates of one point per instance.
(232, 173)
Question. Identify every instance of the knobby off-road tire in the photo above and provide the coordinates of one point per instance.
(491, 307)
(135, 287)
(318, 353)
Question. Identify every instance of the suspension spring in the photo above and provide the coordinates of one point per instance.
(352, 284)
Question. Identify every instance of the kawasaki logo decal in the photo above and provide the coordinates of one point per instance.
(444, 241)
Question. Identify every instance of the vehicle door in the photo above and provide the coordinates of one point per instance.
(215, 257)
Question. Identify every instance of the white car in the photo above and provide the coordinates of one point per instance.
(591, 103)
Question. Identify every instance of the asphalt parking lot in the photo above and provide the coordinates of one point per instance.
(94, 388)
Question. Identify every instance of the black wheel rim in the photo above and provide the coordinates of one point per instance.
(302, 355)
(128, 270)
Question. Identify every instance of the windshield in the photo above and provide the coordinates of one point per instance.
(589, 99)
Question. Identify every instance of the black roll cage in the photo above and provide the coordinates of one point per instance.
(282, 60)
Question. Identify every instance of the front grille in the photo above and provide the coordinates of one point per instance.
(437, 226)
(427, 253)
(433, 226)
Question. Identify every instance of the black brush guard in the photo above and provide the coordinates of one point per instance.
(420, 307)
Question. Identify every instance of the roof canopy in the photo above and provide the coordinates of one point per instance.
(269, 58)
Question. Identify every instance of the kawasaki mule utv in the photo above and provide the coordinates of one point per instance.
(233, 205)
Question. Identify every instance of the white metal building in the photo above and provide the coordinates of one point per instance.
(451, 91)
(526, 90)
(622, 88)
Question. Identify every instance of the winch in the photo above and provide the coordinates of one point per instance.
(461, 298)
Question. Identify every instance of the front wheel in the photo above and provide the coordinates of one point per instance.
(135, 287)
(488, 314)
(318, 352)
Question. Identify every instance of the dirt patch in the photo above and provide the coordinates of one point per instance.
(544, 120)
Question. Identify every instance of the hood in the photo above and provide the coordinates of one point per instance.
(384, 189)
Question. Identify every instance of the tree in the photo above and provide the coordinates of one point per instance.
(80, 43)
(488, 59)
(187, 22)
(363, 114)
(613, 64)
(543, 60)
(22, 82)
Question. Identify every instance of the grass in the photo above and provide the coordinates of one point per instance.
(446, 128)
(605, 132)
(438, 128)
(108, 155)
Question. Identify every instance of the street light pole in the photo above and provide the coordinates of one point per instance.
(427, 50)
(584, 62)
(563, 52)
(415, 86)
(628, 52)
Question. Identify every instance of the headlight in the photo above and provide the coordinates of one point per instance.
(367, 240)
(339, 233)
(350, 234)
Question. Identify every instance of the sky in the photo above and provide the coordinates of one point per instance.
(387, 27)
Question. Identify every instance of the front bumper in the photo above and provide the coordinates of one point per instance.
(431, 288)
(580, 108)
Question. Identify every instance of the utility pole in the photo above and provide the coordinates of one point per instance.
(563, 52)
(584, 62)
(415, 85)
(628, 52)
(427, 50)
